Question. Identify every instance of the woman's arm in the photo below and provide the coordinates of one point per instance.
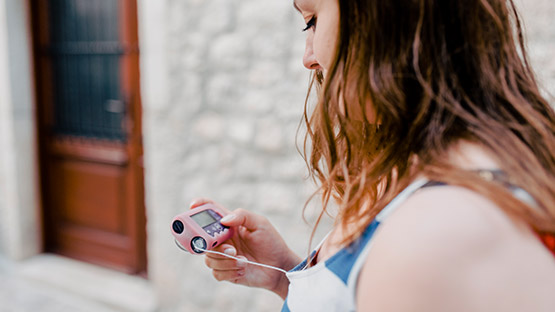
(449, 249)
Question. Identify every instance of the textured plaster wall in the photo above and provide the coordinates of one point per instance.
(223, 89)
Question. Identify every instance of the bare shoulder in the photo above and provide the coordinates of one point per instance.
(449, 249)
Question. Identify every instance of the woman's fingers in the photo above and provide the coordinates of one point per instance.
(224, 268)
(221, 262)
(223, 248)
(199, 202)
(242, 217)
(224, 264)
(229, 275)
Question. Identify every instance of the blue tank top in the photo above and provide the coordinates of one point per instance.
(331, 285)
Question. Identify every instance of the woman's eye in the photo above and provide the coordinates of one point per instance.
(311, 23)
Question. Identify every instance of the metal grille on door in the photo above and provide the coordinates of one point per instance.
(86, 51)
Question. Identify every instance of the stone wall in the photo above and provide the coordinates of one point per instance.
(540, 32)
(223, 89)
(223, 94)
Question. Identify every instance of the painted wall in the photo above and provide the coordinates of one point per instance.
(5, 133)
(19, 223)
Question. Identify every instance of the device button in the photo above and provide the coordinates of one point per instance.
(178, 227)
(209, 230)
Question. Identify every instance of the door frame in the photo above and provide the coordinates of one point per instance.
(130, 86)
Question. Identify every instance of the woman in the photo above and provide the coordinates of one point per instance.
(432, 136)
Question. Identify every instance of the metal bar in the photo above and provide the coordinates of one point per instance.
(53, 10)
(57, 69)
(99, 101)
(94, 47)
(69, 24)
(96, 97)
(76, 107)
(113, 32)
(86, 121)
(86, 54)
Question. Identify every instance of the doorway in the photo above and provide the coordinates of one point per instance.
(89, 128)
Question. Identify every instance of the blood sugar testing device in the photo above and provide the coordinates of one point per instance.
(199, 229)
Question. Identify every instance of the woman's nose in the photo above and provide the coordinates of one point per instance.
(309, 59)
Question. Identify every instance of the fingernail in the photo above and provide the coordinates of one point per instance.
(242, 262)
(228, 218)
(230, 251)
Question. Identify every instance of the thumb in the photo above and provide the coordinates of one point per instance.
(242, 217)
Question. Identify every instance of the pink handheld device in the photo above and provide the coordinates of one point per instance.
(199, 229)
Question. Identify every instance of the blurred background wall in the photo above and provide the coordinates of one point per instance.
(222, 87)
(19, 215)
(539, 28)
(223, 92)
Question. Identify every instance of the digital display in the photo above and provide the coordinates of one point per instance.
(203, 218)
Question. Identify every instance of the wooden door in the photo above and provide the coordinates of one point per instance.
(89, 123)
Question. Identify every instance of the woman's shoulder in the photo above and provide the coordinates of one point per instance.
(448, 240)
(457, 212)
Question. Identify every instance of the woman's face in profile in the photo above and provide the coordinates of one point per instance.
(322, 22)
(322, 19)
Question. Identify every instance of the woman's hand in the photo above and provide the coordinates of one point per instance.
(255, 239)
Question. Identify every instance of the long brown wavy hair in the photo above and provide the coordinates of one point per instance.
(429, 73)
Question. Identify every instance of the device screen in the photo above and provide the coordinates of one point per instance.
(203, 218)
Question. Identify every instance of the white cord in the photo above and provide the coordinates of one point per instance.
(243, 260)
(235, 258)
